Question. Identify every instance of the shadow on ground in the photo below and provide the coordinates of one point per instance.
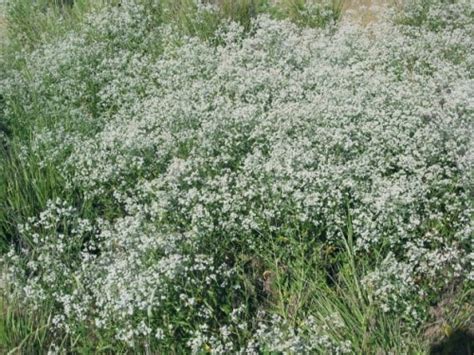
(460, 342)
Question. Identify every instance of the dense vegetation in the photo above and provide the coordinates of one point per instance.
(235, 176)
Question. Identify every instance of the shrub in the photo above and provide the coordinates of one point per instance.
(271, 188)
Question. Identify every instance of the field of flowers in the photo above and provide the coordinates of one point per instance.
(236, 177)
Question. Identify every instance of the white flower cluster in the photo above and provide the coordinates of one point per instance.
(205, 151)
(279, 336)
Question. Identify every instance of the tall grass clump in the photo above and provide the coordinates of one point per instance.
(310, 13)
(33, 22)
(203, 18)
(215, 177)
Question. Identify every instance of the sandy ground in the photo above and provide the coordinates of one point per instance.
(364, 11)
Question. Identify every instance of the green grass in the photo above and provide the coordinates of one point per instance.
(33, 22)
(293, 268)
(30, 23)
(326, 283)
(23, 331)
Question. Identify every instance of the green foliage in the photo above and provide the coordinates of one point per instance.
(30, 23)
(22, 330)
(324, 285)
(435, 15)
(25, 188)
(311, 13)
(123, 143)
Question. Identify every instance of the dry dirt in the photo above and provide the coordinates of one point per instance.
(364, 11)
